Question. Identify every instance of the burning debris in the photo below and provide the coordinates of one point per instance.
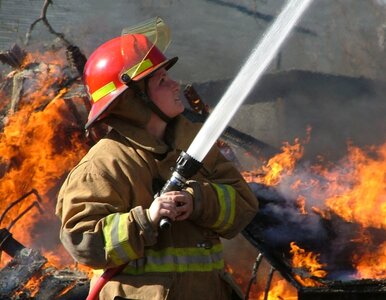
(13, 57)
(323, 229)
(41, 127)
(52, 117)
(28, 275)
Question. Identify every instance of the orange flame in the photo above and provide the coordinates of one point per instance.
(280, 290)
(353, 188)
(364, 200)
(282, 164)
(35, 151)
(372, 264)
(308, 262)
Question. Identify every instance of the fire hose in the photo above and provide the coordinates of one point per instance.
(189, 162)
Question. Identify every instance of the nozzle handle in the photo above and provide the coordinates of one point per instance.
(187, 166)
(175, 183)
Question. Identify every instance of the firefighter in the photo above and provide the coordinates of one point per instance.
(108, 204)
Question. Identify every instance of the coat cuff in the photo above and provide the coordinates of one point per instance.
(194, 188)
(147, 230)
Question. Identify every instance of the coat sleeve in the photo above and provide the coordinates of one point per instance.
(99, 228)
(223, 201)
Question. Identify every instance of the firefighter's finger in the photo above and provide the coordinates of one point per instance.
(183, 211)
(171, 193)
(180, 196)
(182, 216)
(184, 206)
(170, 213)
(162, 207)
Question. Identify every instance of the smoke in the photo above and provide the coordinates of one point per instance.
(381, 2)
(298, 209)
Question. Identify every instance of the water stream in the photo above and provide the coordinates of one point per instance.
(246, 79)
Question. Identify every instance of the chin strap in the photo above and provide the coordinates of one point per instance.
(140, 93)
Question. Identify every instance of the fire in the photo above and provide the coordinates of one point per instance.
(38, 147)
(307, 263)
(280, 290)
(282, 164)
(364, 201)
(353, 189)
(36, 152)
(372, 264)
(33, 284)
(301, 202)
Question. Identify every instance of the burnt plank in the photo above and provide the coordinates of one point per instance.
(19, 270)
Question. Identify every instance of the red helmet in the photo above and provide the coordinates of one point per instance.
(131, 54)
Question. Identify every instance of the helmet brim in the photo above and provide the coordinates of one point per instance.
(167, 64)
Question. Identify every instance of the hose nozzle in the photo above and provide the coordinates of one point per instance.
(186, 167)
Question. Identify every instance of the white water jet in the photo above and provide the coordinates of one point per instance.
(247, 77)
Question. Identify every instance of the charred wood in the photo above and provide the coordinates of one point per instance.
(13, 57)
(201, 111)
(278, 223)
(19, 270)
(28, 275)
(259, 149)
(29, 264)
(62, 282)
(78, 292)
(195, 101)
(353, 290)
(43, 18)
(76, 58)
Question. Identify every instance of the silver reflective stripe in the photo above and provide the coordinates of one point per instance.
(183, 260)
(178, 260)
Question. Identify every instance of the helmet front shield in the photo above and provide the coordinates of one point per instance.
(142, 48)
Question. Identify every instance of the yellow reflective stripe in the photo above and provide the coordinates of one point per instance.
(178, 260)
(116, 239)
(232, 195)
(123, 237)
(110, 87)
(227, 199)
(98, 272)
(139, 68)
(103, 91)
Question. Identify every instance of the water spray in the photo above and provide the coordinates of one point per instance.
(189, 162)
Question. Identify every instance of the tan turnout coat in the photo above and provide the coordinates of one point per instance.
(116, 178)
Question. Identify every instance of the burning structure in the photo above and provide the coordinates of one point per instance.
(321, 226)
(334, 213)
(33, 145)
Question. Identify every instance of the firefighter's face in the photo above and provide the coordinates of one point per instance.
(165, 93)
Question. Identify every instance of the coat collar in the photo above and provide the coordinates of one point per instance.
(179, 134)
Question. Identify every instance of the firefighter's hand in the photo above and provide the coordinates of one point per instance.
(184, 205)
(176, 205)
